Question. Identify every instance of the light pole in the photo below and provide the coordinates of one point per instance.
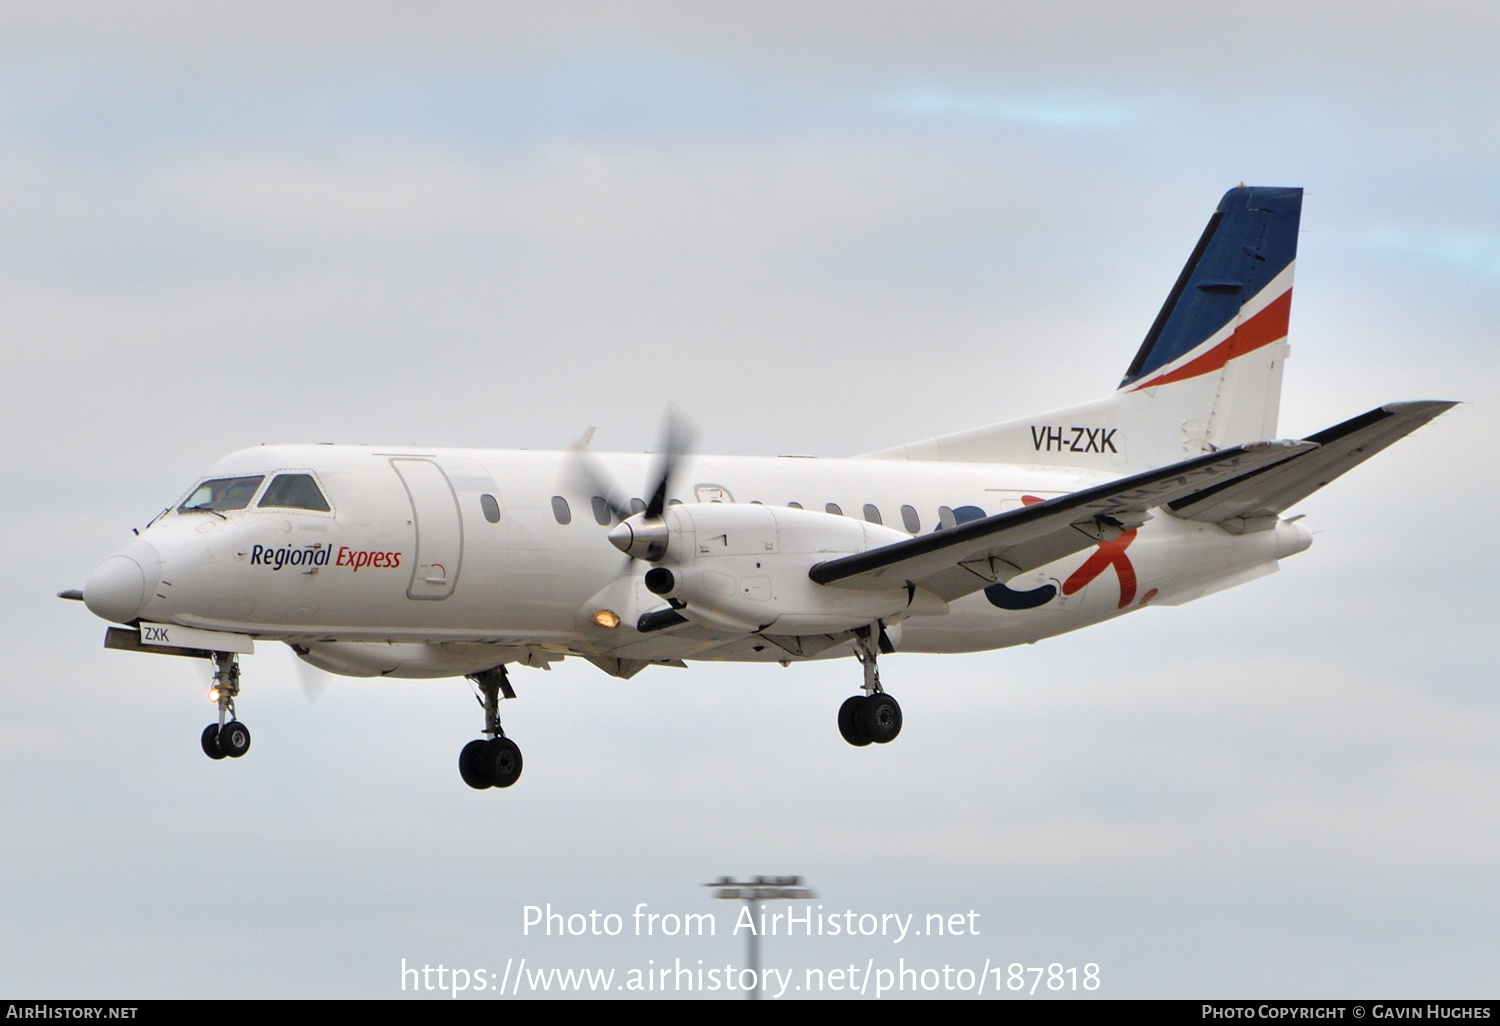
(760, 888)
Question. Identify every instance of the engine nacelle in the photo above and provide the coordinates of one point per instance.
(744, 568)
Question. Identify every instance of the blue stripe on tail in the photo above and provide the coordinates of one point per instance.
(1251, 238)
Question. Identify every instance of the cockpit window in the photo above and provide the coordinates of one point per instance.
(221, 494)
(294, 491)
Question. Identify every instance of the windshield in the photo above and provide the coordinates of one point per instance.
(294, 491)
(221, 494)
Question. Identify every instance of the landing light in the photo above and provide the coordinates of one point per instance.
(607, 618)
(213, 694)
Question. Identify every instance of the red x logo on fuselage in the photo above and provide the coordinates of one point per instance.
(1107, 554)
(1110, 552)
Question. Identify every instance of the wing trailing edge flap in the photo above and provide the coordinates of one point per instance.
(963, 559)
(1254, 501)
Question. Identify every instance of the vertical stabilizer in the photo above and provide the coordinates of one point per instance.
(1213, 359)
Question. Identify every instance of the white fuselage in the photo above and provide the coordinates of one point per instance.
(391, 582)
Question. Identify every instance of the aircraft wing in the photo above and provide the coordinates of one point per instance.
(963, 559)
(1254, 501)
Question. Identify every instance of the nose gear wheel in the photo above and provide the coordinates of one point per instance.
(234, 739)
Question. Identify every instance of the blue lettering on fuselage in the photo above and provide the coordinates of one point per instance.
(261, 555)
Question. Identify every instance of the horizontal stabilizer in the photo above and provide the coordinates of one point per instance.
(1254, 501)
(973, 555)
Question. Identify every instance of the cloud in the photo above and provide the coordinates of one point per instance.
(1470, 251)
(1043, 110)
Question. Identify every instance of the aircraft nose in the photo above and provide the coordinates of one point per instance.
(120, 585)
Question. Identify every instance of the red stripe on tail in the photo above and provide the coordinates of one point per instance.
(1270, 325)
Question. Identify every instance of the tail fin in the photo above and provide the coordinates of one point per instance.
(1208, 374)
(1215, 353)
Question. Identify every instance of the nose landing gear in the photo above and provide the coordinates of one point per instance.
(496, 761)
(229, 737)
(873, 717)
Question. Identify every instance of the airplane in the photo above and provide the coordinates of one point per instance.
(420, 563)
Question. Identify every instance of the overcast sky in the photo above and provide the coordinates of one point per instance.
(818, 228)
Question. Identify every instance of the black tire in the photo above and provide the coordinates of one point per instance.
(470, 765)
(501, 761)
(234, 739)
(849, 721)
(211, 742)
(880, 718)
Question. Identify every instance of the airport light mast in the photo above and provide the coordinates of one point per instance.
(760, 888)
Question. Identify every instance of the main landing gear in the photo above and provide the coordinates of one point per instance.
(229, 737)
(873, 716)
(495, 761)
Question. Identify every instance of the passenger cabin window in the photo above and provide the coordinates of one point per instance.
(794, 505)
(294, 491)
(491, 507)
(601, 511)
(833, 508)
(221, 494)
(909, 518)
(872, 514)
(561, 511)
(637, 505)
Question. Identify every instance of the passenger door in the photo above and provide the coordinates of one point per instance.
(440, 532)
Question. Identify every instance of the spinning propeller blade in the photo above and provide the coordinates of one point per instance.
(678, 436)
(313, 680)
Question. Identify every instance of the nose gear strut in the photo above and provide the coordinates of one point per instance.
(229, 736)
